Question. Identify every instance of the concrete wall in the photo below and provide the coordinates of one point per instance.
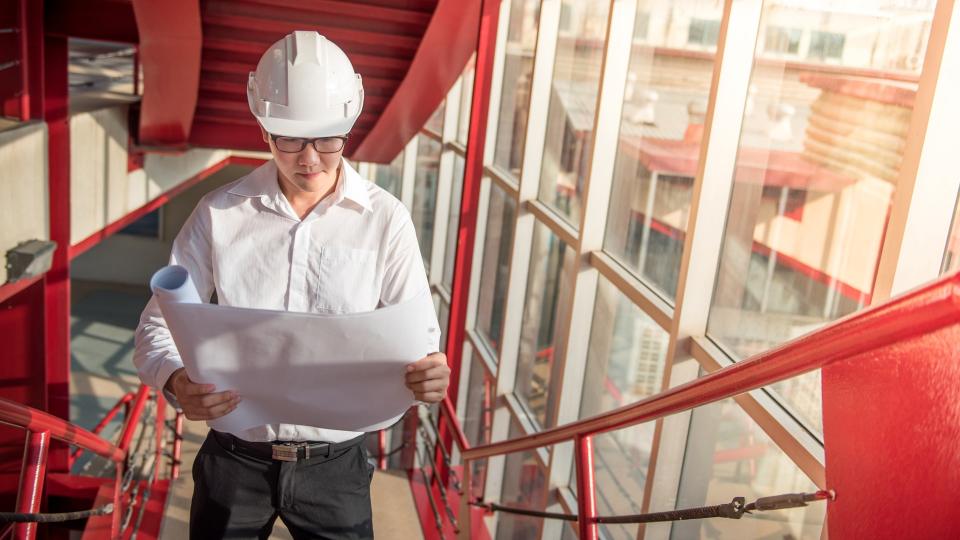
(98, 171)
(102, 191)
(132, 260)
(24, 206)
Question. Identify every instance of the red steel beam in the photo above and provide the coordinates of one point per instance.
(170, 44)
(57, 279)
(368, 12)
(8, 290)
(269, 30)
(919, 312)
(32, 473)
(473, 174)
(104, 20)
(447, 44)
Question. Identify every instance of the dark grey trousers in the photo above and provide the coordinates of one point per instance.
(238, 496)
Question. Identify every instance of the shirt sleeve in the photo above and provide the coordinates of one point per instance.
(404, 276)
(155, 355)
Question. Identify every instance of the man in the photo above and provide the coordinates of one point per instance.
(304, 232)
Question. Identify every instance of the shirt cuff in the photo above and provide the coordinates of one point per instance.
(163, 375)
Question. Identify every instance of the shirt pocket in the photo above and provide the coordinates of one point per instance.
(347, 280)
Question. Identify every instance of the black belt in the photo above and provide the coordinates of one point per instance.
(283, 451)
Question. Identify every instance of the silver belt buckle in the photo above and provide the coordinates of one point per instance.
(287, 452)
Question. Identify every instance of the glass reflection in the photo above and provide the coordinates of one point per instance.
(536, 364)
(495, 269)
(728, 455)
(517, 78)
(820, 151)
(456, 194)
(661, 127)
(524, 486)
(573, 99)
(425, 194)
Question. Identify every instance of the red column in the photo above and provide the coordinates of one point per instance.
(891, 422)
(473, 173)
(57, 280)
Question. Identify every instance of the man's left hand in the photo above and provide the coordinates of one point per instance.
(429, 378)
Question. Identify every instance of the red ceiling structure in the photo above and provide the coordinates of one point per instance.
(196, 56)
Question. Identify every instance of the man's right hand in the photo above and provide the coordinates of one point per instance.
(199, 401)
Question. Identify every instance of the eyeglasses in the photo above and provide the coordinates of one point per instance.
(323, 145)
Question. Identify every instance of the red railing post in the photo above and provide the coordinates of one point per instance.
(586, 490)
(159, 432)
(32, 473)
(382, 446)
(177, 441)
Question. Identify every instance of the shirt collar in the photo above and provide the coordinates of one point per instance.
(262, 182)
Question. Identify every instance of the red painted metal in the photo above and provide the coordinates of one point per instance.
(107, 418)
(447, 44)
(15, 414)
(927, 309)
(32, 473)
(473, 174)
(81, 247)
(382, 447)
(57, 279)
(170, 44)
(891, 422)
(586, 488)
(9, 290)
(161, 418)
(136, 410)
(104, 20)
(177, 444)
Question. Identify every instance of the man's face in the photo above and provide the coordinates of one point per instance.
(307, 170)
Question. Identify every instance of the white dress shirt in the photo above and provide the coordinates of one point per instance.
(355, 251)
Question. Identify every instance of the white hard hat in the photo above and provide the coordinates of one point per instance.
(305, 86)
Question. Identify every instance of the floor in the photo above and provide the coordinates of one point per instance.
(104, 318)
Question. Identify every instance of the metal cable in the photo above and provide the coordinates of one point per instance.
(443, 491)
(735, 509)
(17, 517)
(446, 457)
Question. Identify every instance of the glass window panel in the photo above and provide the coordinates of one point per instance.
(495, 268)
(456, 193)
(478, 416)
(524, 486)
(443, 314)
(661, 127)
(550, 260)
(517, 78)
(425, 193)
(573, 101)
(727, 456)
(951, 257)
(435, 122)
(816, 169)
(389, 176)
(627, 354)
(625, 363)
(780, 40)
(466, 100)
(480, 395)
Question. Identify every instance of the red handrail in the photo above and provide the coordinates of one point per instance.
(41, 427)
(19, 415)
(924, 310)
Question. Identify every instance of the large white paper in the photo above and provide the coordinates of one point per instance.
(341, 372)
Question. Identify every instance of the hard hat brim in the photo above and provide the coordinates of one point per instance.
(299, 128)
